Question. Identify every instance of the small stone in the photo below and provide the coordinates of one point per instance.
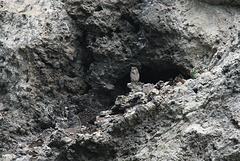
(66, 140)
(2, 107)
(8, 157)
(155, 91)
(147, 88)
(24, 158)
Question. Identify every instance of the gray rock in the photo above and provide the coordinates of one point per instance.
(217, 2)
(8, 157)
(66, 140)
(23, 158)
(147, 88)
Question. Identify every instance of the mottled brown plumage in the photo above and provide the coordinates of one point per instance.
(134, 74)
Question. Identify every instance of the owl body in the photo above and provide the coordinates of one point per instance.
(134, 74)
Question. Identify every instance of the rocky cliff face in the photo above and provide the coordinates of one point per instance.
(66, 94)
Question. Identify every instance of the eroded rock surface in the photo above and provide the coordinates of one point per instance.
(66, 94)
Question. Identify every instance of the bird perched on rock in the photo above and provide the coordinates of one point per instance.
(134, 74)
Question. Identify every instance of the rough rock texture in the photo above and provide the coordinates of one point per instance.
(65, 90)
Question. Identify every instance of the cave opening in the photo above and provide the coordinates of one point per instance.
(121, 84)
(164, 72)
(153, 73)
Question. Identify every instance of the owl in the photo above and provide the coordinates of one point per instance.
(134, 74)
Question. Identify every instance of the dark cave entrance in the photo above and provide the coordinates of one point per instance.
(166, 72)
(121, 84)
(152, 73)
